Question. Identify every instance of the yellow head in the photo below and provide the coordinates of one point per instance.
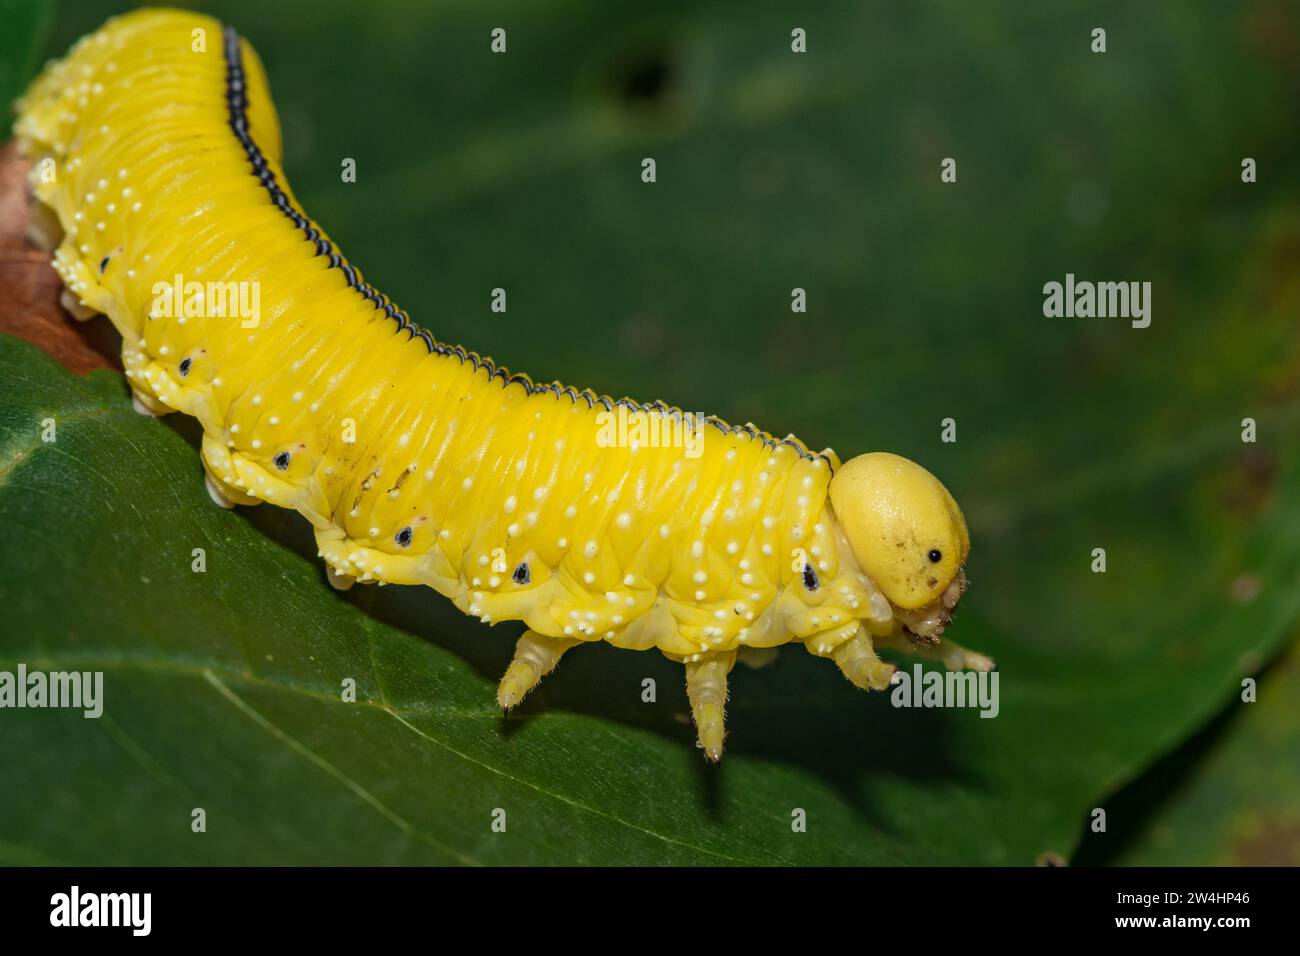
(907, 533)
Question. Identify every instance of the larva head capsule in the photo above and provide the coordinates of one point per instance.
(908, 535)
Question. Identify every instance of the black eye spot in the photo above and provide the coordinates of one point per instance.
(185, 366)
(103, 264)
(282, 461)
(403, 537)
(810, 578)
(522, 575)
(935, 555)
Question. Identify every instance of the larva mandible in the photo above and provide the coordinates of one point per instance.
(421, 463)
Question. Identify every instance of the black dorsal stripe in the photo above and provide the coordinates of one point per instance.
(237, 103)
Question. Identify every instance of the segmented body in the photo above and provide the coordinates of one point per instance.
(417, 463)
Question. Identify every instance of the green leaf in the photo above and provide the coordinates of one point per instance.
(925, 302)
(1230, 796)
(26, 25)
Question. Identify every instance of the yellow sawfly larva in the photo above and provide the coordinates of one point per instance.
(420, 463)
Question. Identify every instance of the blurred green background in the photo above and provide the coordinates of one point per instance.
(775, 170)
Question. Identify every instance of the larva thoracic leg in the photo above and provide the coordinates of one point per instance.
(858, 661)
(535, 656)
(948, 652)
